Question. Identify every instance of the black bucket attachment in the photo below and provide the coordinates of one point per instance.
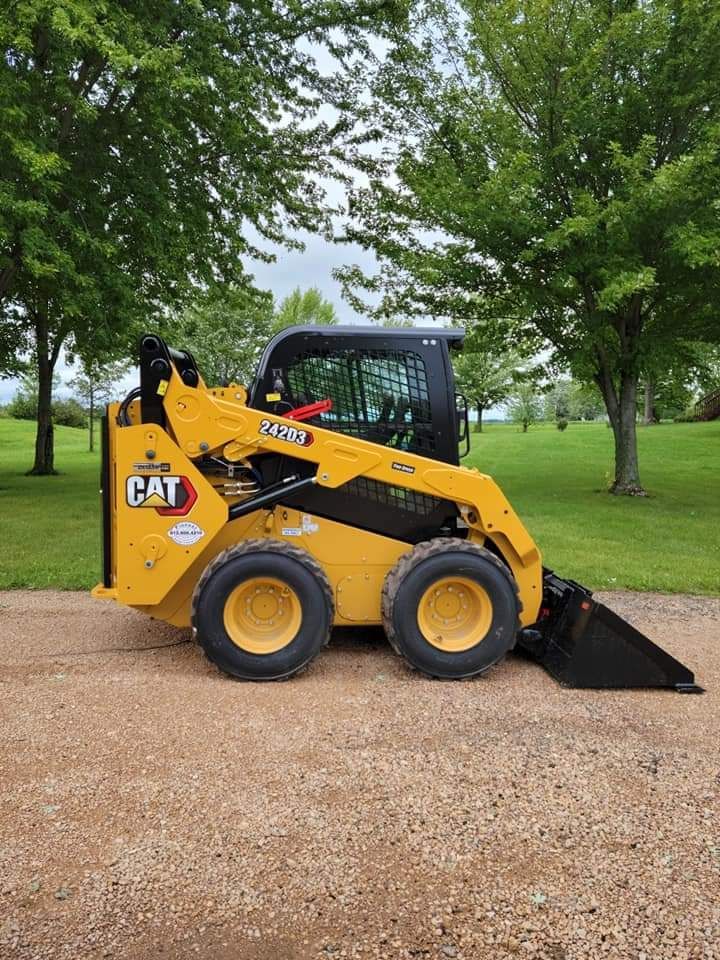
(582, 643)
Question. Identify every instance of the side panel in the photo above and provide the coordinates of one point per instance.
(356, 571)
(166, 513)
(154, 556)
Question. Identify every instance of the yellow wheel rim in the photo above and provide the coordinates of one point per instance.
(262, 615)
(454, 614)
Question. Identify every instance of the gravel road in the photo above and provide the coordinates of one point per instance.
(151, 808)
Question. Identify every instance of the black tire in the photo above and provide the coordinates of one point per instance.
(276, 560)
(416, 572)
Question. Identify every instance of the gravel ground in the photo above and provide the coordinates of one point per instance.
(150, 807)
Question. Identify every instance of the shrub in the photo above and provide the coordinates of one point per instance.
(66, 413)
(23, 406)
(562, 424)
(69, 413)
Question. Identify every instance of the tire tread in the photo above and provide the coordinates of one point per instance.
(419, 553)
(262, 545)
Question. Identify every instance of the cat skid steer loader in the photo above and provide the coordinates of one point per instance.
(330, 493)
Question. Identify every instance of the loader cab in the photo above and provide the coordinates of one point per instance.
(392, 386)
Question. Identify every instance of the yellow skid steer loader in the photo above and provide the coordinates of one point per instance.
(331, 494)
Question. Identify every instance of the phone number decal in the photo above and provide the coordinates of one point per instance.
(283, 431)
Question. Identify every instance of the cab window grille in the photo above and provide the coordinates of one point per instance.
(377, 395)
(400, 498)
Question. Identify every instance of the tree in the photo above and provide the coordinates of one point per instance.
(226, 332)
(707, 372)
(585, 401)
(485, 376)
(568, 399)
(557, 399)
(552, 167)
(676, 375)
(140, 141)
(525, 405)
(95, 386)
(304, 307)
(399, 322)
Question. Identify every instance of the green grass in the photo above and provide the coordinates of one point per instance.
(50, 526)
(557, 482)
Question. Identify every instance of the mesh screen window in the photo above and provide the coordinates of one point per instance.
(410, 501)
(377, 395)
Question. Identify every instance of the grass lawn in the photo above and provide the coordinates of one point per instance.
(669, 541)
(557, 482)
(49, 526)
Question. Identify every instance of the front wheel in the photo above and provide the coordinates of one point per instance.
(451, 608)
(262, 610)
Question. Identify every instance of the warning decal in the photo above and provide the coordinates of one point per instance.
(170, 496)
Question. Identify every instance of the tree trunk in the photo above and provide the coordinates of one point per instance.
(649, 416)
(627, 472)
(92, 414)
(44, 440)
(622, 411)
(525, 426)
(478, 425)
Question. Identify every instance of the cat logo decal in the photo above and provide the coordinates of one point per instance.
(171, 496)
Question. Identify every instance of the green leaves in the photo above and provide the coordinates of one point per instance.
(149, 148)
(551, 166)
(304, 307)
(485, 373)
(623, 285)
(160, 132)
(226, 330)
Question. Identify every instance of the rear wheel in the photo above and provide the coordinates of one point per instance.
(262, 610)
(450, 608)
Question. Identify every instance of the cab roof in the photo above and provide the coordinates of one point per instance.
(454, 336)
